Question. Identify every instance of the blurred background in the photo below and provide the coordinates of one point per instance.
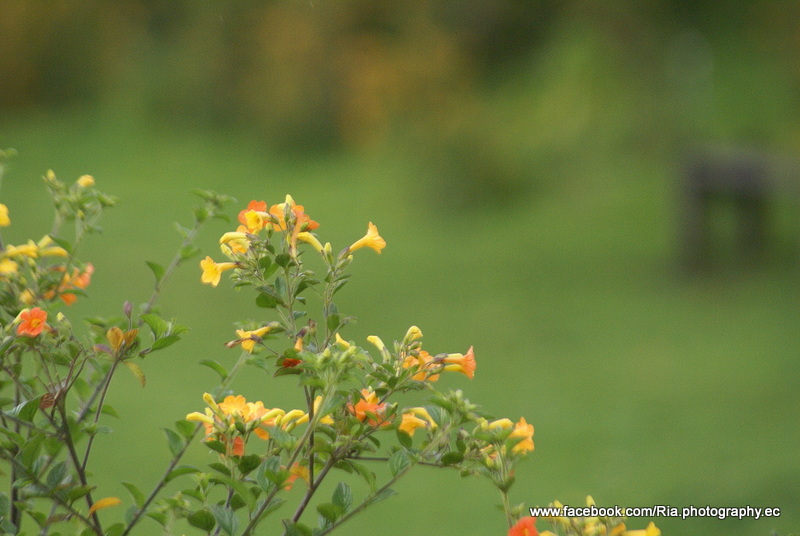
(525, 161)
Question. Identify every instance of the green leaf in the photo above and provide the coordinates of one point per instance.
(109, 410)
(404, 439)
(180, 471)
(57, 474)
(175, 441)
(137, 371)
(27, 410)
(160, 517)
(282, 260)
(138, 496)
(157, 325)
(343, 496)
(330, 512)
(163, 342)
(367, 474)
(116, 529)
(157, 269)
(5, 504)
(398, 461)
(221, 468)
(188, 251)
(333, 322)
(248, 463)
(13, 436)
(202, 519)
(382, 495)
(185, 428)
(216, 446)
(78, 491)
(216, 367)
(30, 450)
(225, 517)
(452, 458)
(266, 301)
(295, 529)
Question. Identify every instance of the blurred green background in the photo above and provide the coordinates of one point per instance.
(522, 160)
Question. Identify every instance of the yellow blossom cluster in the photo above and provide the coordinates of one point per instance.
(220, 420)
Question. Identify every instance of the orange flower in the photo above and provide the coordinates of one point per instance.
(32, 322)
(237, 449)
(464, 363)
(424, 362)
(303, 221)
(259, 206)
(79, 280)
(525, 431)
(526, 526)
(368, 408)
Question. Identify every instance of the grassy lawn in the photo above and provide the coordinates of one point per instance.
(646, 387)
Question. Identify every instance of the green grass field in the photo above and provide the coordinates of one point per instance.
(645, 387)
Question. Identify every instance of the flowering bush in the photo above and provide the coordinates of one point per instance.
(357, 411)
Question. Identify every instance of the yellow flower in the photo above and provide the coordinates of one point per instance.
(212, 271)
(5, 221)
(26, 250)
(254, 220)
(413, 334)
(85, 181)
(416, 418)
(8, 267)
(525, 431)
(47, 249)
(378, 343)
(341, 343)
(235, 242)
(200, 417)
(371, 240)
(247, 338)
(309, 238)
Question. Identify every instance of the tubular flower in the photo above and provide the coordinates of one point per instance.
(369, 409)
(32, 322)
(5, 221)
(371, 240)
(259, 206)
(235, 242)
(424, 362)
(25, 250)
(212, 271)
(309, 238)
(248, 339)
(526, 526)
(45, 248)
(524, 431)
(464, 363)
(415, 418)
